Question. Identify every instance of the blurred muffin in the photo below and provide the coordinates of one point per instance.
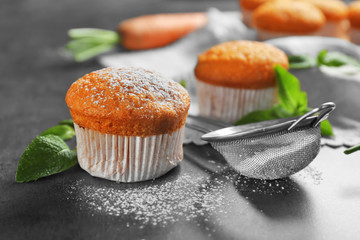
(285, 18)
(336, 14)
(129, 123)
(247, 8)
(354, 18)
(237, 77)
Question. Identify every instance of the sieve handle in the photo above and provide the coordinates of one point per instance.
(321, 114)
(203, 124)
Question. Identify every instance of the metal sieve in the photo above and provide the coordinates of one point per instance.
(270, 149)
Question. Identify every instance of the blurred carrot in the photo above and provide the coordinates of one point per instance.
(139, 33)
(151, 31)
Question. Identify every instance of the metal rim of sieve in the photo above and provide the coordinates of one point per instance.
(310, 119)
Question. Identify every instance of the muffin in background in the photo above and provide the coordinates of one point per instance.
(237, 77)
(285, 18)
(129, 123)
(354, 18)
(247, 8)
(336, 14)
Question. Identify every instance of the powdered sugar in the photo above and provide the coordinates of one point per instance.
(121, 92)
(137, 84)
(183, 197)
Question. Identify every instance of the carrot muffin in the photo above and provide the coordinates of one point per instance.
(354, 18)
(129, 123)
(237, 77)
(247, 8)
(284, 18)
(336, 14)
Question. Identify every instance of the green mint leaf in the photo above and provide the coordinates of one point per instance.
(45, 156)
(302, 104)
(280, 112)
(65, 132)
(320, 59)
(257, 116)
(289, 92)
(68, 122)
(335, 59)
(301, 62)
(352, 149)
(326, 129)
(183, 83)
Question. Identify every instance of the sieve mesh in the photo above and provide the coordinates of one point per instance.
(272, 156)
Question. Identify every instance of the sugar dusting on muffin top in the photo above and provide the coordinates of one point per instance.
(129, 95)
(136, 87)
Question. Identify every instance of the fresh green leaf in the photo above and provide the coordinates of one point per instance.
(326, 129)
(183, 83)
(65, 132)
(45, 156)
(69, 122)
(352, 149)
(302, 104)
(293, 103)
(289, 92)
(257, 116)
(281, 112)
(335, 59)
(301, 62)
(321, 57)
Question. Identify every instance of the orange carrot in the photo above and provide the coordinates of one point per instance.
(157, 30)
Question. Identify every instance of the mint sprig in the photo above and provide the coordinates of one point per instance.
(68, 122)
(47, 154)
(87, 43)
(65, 132)
(335, 59)
(324, 58)
(183, 83)
(301, 62)
(292, 102)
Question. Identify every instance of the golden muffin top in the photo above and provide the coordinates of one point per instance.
(128, 102)
(294, 17)
(354, 14)
(333, 10)
(252, 4)
(240, 64)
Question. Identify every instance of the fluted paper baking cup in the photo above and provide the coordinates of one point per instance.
(128, 158)
(267, 35)
(230, 104)
(354, 35)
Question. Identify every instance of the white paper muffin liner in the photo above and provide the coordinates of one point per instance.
(354, 35)
(230, 104)
(267, 35)
(128, 158)
(246, 17)
(334, 29)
